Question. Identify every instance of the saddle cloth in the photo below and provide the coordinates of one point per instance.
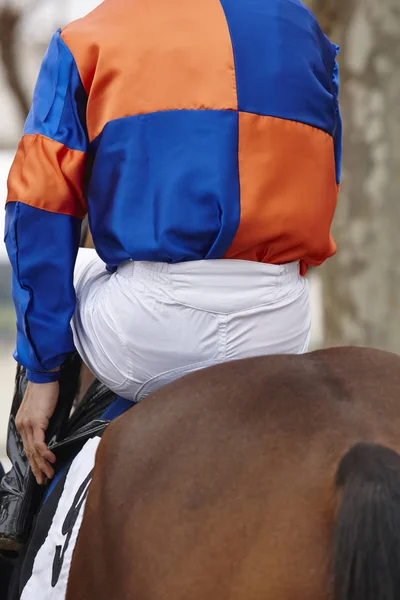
(47, 575)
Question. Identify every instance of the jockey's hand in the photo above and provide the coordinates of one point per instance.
(36, 410)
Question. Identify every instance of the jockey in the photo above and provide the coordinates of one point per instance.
(203, 141)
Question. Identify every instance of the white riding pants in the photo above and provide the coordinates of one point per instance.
(150, 323)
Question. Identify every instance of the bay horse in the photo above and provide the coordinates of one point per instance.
(273, 478)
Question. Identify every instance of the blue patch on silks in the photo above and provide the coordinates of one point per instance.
(283, 61)
(145, 165)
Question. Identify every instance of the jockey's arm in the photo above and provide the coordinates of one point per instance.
(44, 211)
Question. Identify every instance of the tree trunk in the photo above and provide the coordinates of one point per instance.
(10, 18)
(362, 283)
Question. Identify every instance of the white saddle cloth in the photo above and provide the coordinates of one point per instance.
(53, 562)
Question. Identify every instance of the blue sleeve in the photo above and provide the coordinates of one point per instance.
(44, 211)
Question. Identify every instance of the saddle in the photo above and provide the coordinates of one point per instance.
(68, 431)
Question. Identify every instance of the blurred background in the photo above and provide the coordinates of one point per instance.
(355, 295)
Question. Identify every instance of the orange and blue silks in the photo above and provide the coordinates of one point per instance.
(187, 130)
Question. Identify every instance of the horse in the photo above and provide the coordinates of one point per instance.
(273, 478)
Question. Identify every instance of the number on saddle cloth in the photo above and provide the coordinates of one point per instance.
(47, 562)
(68, 528)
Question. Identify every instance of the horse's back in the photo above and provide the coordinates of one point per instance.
(222, 485)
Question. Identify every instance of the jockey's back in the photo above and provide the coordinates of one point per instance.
(186, 131)
(190, 130)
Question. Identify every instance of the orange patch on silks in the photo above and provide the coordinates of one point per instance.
(47, 175)
(143, 57)
(288, 192)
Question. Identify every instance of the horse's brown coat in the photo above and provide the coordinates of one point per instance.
(221, 486)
